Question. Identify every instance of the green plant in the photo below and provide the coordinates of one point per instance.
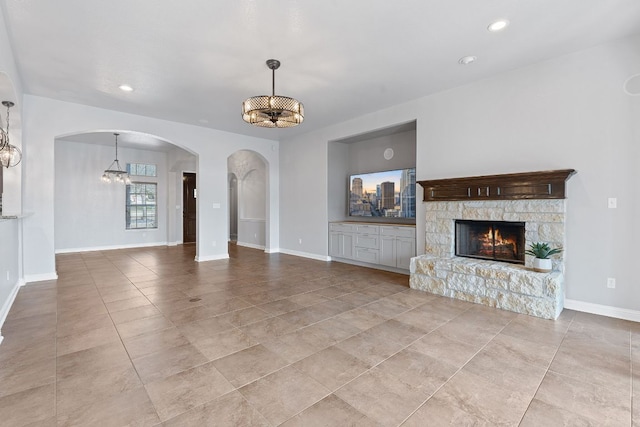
(542, 250)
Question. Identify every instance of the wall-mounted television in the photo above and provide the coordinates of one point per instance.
(386, 194)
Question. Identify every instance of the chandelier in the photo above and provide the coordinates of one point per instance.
(10, 155)
(273, 111)
(114, 173)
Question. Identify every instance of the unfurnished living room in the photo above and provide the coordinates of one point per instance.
(364, 213)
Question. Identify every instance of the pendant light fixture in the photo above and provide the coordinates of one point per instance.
(114, 173)
(10, 155)
(273, 111)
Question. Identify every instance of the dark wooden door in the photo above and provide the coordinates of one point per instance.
(189, 207)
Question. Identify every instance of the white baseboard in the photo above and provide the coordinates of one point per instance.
(211, 257)
(271, 250)
(110, 247)
(305, 255)
(28, 278)
(250, 245)
(603, 310)
(9, 302)
(176, 243)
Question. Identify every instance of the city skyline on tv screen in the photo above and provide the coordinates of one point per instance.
(389, 194)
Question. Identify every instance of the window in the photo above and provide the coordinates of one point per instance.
(141, 205)
(141, 169)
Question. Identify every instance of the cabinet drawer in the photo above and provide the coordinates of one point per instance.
(341, 227)
(367, 229)
(366, 255)
(367, 241)
(397, 231)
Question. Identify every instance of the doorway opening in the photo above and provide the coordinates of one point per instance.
(189, 207)
(233, 208)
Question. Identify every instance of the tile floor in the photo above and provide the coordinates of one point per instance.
(148, 336)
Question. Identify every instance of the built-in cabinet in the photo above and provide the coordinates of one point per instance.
(386, 245)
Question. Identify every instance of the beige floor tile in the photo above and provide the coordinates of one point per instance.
(482, 399)
(230, 410)
(223, 343)
(143, 326)
(85, 387)
(186, 390)
(483, 364)
(248, 365)
(332, 367)
(282, 394)
(297, 345)
(437, 412)
(276, 308)
(604, 405)
(164, 363)
(440, 346)
(17, 377)
(145, 344)
(135, 313)
(332, 410)
(361, 318)
(267, 329)
(87, 339)
(28, 406)
(544, 414)
(423, 372)
(245, 316)
(131, 407)
(382, 397)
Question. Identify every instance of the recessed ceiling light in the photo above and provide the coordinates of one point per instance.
(126, 88)
(498, 25)
(466, 60)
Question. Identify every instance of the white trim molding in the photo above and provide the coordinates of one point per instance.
(30, 278)
(250, 245)
(305, 255)
(603, 310)
(8, 303)
(111, 247)
(211, 258)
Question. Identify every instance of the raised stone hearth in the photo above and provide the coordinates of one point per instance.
(507, 286)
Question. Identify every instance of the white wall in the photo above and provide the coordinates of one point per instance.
(46, 119)
(570, 112)
(89, 214)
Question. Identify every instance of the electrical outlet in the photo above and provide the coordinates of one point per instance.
(612, 203)
(299, 241)
(611, 283)
(7, 274)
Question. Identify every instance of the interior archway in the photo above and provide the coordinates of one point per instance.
(93, 215)
(250, 170)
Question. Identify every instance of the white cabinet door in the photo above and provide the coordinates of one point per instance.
(405, 250)
(388, 251)
(341, 245)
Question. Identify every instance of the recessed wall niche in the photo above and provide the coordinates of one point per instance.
(364, 153)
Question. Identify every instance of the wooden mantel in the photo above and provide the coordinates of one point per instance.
(512, 186)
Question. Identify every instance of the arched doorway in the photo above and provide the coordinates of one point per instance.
(250, 190)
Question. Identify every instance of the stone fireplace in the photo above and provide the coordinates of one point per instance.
(497, 274)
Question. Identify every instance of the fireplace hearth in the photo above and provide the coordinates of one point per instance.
(491, 240)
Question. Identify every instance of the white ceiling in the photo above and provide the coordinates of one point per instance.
(195, 61)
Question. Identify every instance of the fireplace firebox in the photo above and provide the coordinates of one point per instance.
(493, 240)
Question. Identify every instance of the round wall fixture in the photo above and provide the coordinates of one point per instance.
(388, 153)
(631, 86)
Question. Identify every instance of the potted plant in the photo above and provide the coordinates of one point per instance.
(542, 252)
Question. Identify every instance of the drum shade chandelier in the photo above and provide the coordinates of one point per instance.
(273, 111)
(114, 173)
(10, 155)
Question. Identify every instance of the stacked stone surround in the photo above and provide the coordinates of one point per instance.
(507, 286)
